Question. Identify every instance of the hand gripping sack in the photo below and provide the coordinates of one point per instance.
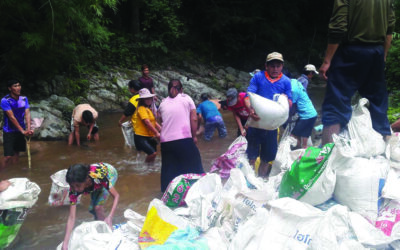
(174, 195)
(228, 160)
(272, 114)
(14, 204)
(59, 192)
(300, 181)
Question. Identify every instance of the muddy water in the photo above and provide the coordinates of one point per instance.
(138, 183)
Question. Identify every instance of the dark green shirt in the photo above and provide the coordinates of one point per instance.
(361, 21)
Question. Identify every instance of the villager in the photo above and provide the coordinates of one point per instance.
(355, 61)
(134, 87)
(236, 104)
(146, 128)
(308, 72)
(266, 83)
(98, 180)
(83, 115)
(307, 114)
(178, 119)
(17, 122)
(212, 118)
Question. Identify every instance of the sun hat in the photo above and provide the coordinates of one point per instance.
(274, 56)
(232, 94)
(145, 93)
(310, 67)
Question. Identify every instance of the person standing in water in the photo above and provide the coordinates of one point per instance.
(98, 180)
(146, 127)
(178, 119)
(17, 122)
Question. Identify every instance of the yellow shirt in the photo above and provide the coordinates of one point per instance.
(135, 102)
(143, 113)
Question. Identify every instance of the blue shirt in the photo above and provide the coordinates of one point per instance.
(305, 108)
(260, 85)
(208, 110)
(303, 79)
(18, 107)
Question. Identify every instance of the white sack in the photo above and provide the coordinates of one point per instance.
(199, 200)
(285, 156)
(394, 150)
(323, 188)
(21, 193)
(392, 185)
(272, 114)
(135, 220)
(128, 133)
(359, 182)
(93, 235)
(292, 224)
(59, 192)
(367, 141)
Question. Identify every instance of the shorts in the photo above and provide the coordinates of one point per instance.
(13, 142)
(99, 197)
(146, 144)
(263, 143)
(303, 128)
(94, 130)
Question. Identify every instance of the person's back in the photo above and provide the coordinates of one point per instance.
(359, 37)
(305, 107)
(368, 21)
(208, 110)
(175, 115)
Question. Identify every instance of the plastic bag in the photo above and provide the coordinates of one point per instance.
(228, 160)
(366, 140)
(309, 179)
(272, 114)
(388, 217)
(59, 192)
(160, 222)
(21, 193)
(128, 133)
(177, 189)
(359, 181)
(15, 201)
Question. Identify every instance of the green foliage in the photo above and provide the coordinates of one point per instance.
(394, 106)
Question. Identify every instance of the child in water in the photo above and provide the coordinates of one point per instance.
(98, 179)
(146, 128)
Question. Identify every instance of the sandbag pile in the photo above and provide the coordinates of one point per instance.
(344, 195)
(15, 202)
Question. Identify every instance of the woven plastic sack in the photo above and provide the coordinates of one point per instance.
(127, 132)
(228, 160)
(366, 140)
(272, 113)
(14, 204)
(159, 224)
(10, 222)
(59, 192)
(177, 189)
(305, 173)
(388, 217)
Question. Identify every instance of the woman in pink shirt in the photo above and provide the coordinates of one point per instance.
(178, 119)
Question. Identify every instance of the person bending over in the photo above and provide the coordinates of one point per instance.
(83, 115)
(98, 180)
